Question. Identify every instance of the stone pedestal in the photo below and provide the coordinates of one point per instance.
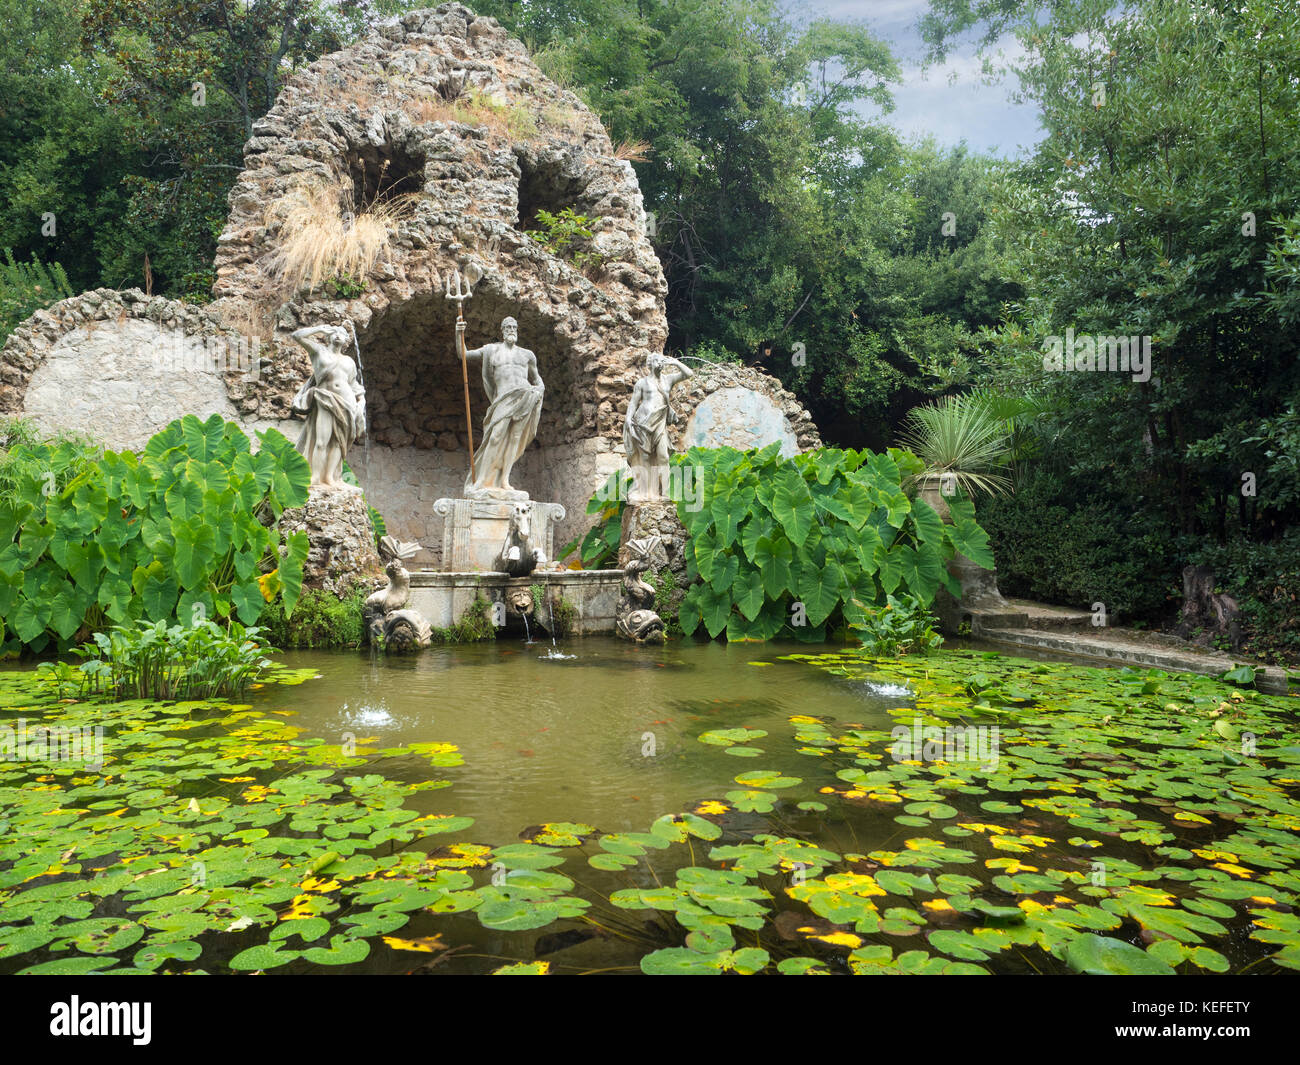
(473, 531)
(342, 553)
(981, 603)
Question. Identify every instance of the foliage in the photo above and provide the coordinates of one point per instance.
(564, 234)
(783, 215)
(65, 152)
(960, 436)
(1180, 183)
(781, 545)
(1265, 581)
(667, 598)
(187, 530)
(161, 661)
(1078, 541)
(26, 288)
(902, 626)
(344, 286)
(320, 619)
(559, 614)
(598, 548)
(184, 81)
(474, 626)
(565, 616)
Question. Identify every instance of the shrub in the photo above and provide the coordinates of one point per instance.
(901, 626)
(562, 235)
(667, 601)
(187, 529)
(566, 616)
(1059, 543)
(475, 625)
(780, 546)
(598, 549)
(319, 620)
(1265, 581)
(161, 661)
(961, 436)
(26, 288)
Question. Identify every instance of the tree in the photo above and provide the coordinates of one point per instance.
(1158, 206)
(189, 78)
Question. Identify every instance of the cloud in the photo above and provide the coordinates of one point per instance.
(948, 102)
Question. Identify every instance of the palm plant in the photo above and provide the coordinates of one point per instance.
(962, 437)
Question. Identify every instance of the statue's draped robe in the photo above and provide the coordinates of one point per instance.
(346, 418)
(646, 433)
(520, 406)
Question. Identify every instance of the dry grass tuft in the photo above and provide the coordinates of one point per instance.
(320, 238)
(632, 151)
(478, 108)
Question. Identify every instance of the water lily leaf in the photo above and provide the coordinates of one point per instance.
(802, 967)
(680, 961)
(155, 955)
(264, 956)
(72, 966)
(1105, 956)
(341, 951)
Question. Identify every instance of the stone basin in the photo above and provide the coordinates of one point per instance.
(444, 598)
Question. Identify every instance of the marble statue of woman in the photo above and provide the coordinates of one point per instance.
(514, 390)
(333, 401)
(645, 430)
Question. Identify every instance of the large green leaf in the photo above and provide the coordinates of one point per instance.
(1106, 956)
(773, 556)
(195, 550)
(929, 526)
(972, 541)
(792, 505)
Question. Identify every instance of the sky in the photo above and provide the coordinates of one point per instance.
(925, 103)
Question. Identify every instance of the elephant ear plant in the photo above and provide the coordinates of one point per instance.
(785, 546)
(185, 530)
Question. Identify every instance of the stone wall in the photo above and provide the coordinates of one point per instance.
(726, 404)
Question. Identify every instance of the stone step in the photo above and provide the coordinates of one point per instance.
(1047, 617)
(997, 619)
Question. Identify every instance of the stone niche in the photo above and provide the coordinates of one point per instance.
(446, 109)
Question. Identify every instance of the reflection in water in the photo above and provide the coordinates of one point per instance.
(606, 738)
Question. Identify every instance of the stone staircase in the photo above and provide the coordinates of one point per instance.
(1026, 624)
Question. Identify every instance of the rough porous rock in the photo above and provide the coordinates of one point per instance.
(122, 365)
(641, 520)
(342, 554)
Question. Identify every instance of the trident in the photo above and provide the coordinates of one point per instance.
(460, 292)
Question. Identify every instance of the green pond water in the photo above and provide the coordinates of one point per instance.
(698, 807)
(606, 737)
